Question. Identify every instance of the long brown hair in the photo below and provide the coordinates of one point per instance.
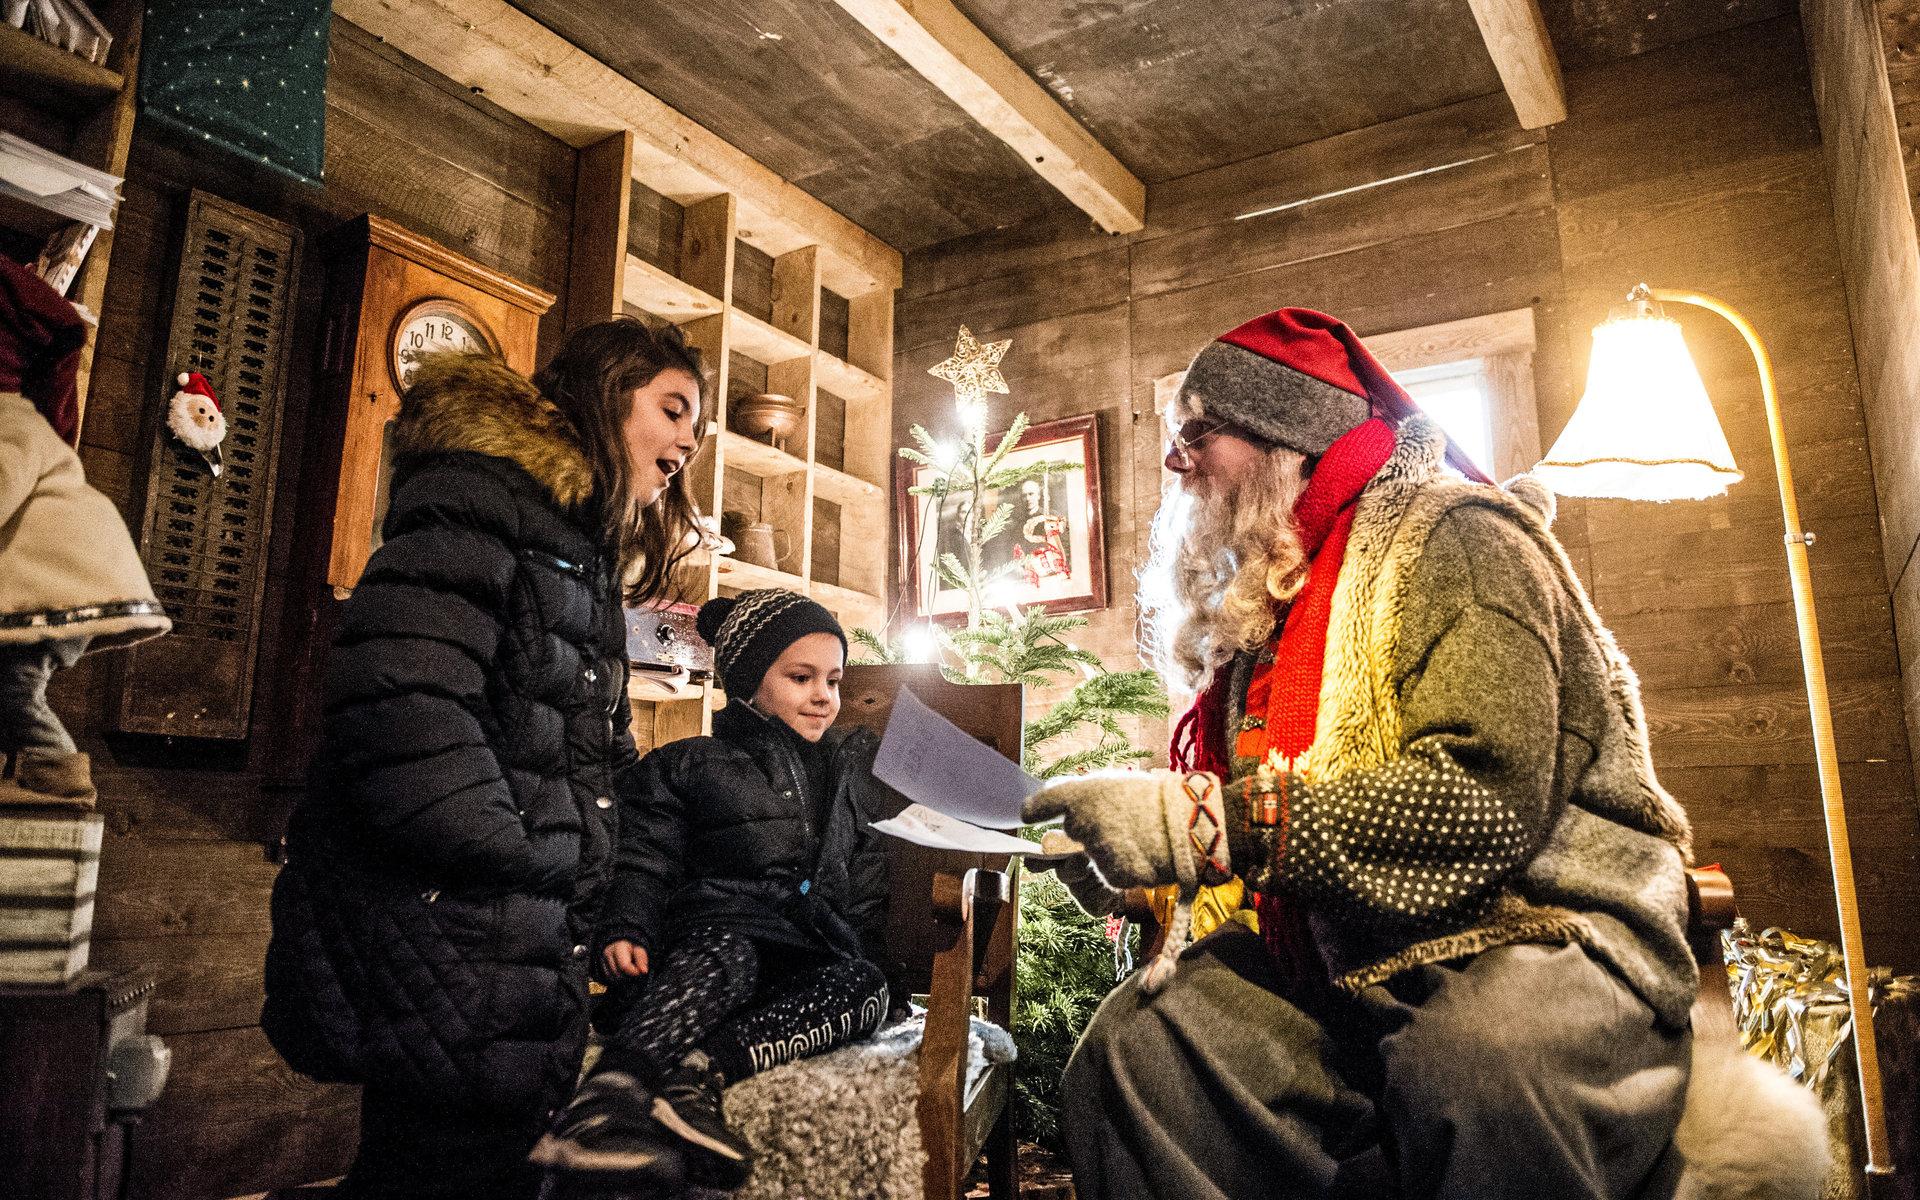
(592, 380)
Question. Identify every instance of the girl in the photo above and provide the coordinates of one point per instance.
(448, 860)
(744, 927)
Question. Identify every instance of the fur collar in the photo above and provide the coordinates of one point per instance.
(1359, 718)
(476, 403)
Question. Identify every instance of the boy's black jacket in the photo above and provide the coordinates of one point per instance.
(720, 831)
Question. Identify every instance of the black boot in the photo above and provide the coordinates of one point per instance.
(608, 1131)
(688, 1105)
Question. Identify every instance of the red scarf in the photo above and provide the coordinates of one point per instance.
(1286, 692)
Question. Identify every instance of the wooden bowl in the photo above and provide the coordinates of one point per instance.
(769, 413)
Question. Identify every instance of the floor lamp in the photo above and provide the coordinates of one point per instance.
(1645, 430)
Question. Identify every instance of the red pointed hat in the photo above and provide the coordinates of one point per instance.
(1300, 379)
(194, 383)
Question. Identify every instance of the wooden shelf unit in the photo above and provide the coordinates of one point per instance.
(797, 492)
(93, 105)
(38, 70)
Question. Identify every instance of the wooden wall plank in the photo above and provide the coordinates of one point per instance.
(1515, 181)
(1391, 150)
(1488, 266)
(1734, 566)
(753, 280)
(1084, 284)
(1758, 724)
(156, 889)
(1865, 87)
(990, 254)
(1695, 103)
(205, 983)
(653, 228)
(1755, 644)
(274, 1122)
(1764, 824)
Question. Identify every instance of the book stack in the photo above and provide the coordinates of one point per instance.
(68, 24)
(49, 866)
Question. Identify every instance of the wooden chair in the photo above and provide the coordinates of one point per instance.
(952, 921)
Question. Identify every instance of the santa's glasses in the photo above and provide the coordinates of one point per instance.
(1189, 435)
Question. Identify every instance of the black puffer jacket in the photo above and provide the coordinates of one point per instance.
(736, 831)
(446, 867)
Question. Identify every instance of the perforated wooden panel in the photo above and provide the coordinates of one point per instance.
(204, 537)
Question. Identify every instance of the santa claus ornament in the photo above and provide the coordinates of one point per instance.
(194, 417)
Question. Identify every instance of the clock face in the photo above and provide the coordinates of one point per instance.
(432, 325)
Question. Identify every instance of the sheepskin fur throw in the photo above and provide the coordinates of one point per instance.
(844, 1124)
(1748, 1132)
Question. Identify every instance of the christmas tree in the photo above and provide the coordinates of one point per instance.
(1068, 960)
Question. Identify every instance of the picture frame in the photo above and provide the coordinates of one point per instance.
(1056, 545)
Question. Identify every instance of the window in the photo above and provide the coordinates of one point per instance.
(1455, 395)
(1475, 377)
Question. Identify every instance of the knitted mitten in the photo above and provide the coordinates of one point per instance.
(1139, 829)
(1077, 872)
(1132, 823)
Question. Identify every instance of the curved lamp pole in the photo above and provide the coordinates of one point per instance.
(1645, 430)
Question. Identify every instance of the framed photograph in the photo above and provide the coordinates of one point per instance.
(1050, 552)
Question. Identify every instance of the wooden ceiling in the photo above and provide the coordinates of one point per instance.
(1169, 87)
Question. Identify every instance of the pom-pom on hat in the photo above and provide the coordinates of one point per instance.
(1299, 379)
(750, 631)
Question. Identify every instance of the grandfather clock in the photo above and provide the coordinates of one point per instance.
(393, 296)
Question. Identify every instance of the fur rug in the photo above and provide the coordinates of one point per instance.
(1748, 1131)
(843, 1126)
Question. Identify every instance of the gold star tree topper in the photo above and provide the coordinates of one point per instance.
(974, 370)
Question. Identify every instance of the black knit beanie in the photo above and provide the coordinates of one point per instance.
(751, 630)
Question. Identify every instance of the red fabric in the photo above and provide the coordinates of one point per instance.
(1302, 339)
(1287, 691)
(1316, 344)
(40, 339)
(196, 383)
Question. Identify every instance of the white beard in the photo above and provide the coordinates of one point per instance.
(1216, 566)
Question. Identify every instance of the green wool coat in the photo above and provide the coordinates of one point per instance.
(1480, 773)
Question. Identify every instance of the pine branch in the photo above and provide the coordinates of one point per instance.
(1093, 758)
(1014, 433)
(929, 445)
(1015, 476)
(877, 652)
(953, 570)
(996, 524)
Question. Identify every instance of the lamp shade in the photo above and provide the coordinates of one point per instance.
(1644, 430)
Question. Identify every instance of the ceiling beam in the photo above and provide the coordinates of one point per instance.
(533, 73)
(1516, 37)
(937, 40)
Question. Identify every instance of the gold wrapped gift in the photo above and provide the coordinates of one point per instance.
(1790, 1003)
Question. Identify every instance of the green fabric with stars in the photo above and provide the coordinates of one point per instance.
(246, 75)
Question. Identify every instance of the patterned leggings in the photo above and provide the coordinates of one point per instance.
(748, 1006)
